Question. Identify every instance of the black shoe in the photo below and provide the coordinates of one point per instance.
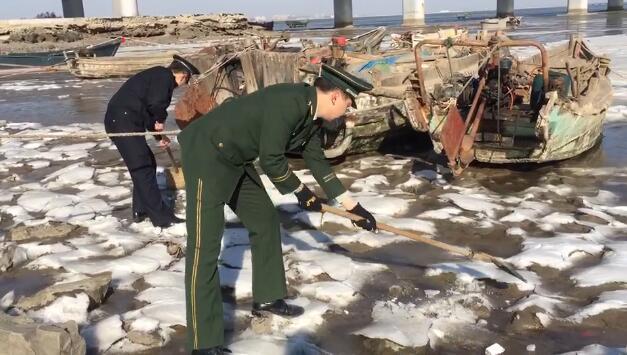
(175, 220)
(178, 220)
(278, 307)
(139, 217)
(216, 350)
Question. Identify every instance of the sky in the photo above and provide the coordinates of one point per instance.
(252, 8)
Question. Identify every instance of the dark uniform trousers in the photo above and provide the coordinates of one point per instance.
(141, 165)
(205, 226)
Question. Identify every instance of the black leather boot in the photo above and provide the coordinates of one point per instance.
(216, 350)
(174, 221)
(278, 307)
(139, 217)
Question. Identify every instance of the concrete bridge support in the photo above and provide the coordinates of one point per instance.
(73, 8)
(577, 7)
(615, 5)
(504, 8)
(125, 8)
(343, 12)
(413, 12)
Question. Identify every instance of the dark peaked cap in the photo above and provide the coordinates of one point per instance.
(191, 69)
(347, 82)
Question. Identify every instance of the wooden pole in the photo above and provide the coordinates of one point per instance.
(423, 238)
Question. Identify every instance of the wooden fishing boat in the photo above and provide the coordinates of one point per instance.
(380, 113)
(266, 25)
(105, 49)
(109, 67)
(495, 24)
(474, 101)
(540, 109)
(296, 23)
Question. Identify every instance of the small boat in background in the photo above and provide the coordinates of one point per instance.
(37, 59)
(111, 67)
(494, 24)
(463, 16)
(266, 25)
(296, 23)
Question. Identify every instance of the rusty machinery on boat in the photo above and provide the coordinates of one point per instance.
(545, 108)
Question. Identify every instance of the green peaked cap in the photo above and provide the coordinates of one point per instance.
(347, 82)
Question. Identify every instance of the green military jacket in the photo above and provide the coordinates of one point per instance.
(265, 125)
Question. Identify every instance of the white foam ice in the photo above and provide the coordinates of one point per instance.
(416, 325)
(607, 301)
(549, 305)
(104, 333)
(83, 211)
(44, 201)
(472, 271)
(70, 175)
(337, 293)
(165, 304)
(473, 202)
(64, 309)
(403, 324)
(383, 204)
(370, 183)
(611, 269)
(527, 210)
(597, 349)
(559, 252)
(248, 344)
(442, 213)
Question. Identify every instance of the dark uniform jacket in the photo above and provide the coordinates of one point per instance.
(141, 101)
(264, 125)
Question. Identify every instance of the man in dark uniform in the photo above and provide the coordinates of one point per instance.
(139, 105)
(218, 151)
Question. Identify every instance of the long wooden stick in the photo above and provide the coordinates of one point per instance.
(423, 238)
(174, 163)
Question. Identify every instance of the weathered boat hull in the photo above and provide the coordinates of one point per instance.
(111, 67)
(105, 49)
(522, 117)
(570, 136)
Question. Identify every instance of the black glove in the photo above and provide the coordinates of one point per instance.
(368, 222)
(308, 201)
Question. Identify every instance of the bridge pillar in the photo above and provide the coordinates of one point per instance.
(577, 7)
(413, 12)
(125, 8)
(73, 8)
(615, 5)
(343, 12)
(504, 8)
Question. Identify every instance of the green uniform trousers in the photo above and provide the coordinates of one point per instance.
(205, 226)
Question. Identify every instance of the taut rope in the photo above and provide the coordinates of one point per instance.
(85, 135)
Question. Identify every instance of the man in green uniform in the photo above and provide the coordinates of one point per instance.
(218, 151)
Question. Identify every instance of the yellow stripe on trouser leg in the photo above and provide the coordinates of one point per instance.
(205, 226)
(196, 258)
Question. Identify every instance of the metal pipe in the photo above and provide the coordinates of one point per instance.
(471, 113)
(543, 51)
(437, 42)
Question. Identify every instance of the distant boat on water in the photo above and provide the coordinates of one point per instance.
(296, 23)
(39, 59)
(463, 16)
